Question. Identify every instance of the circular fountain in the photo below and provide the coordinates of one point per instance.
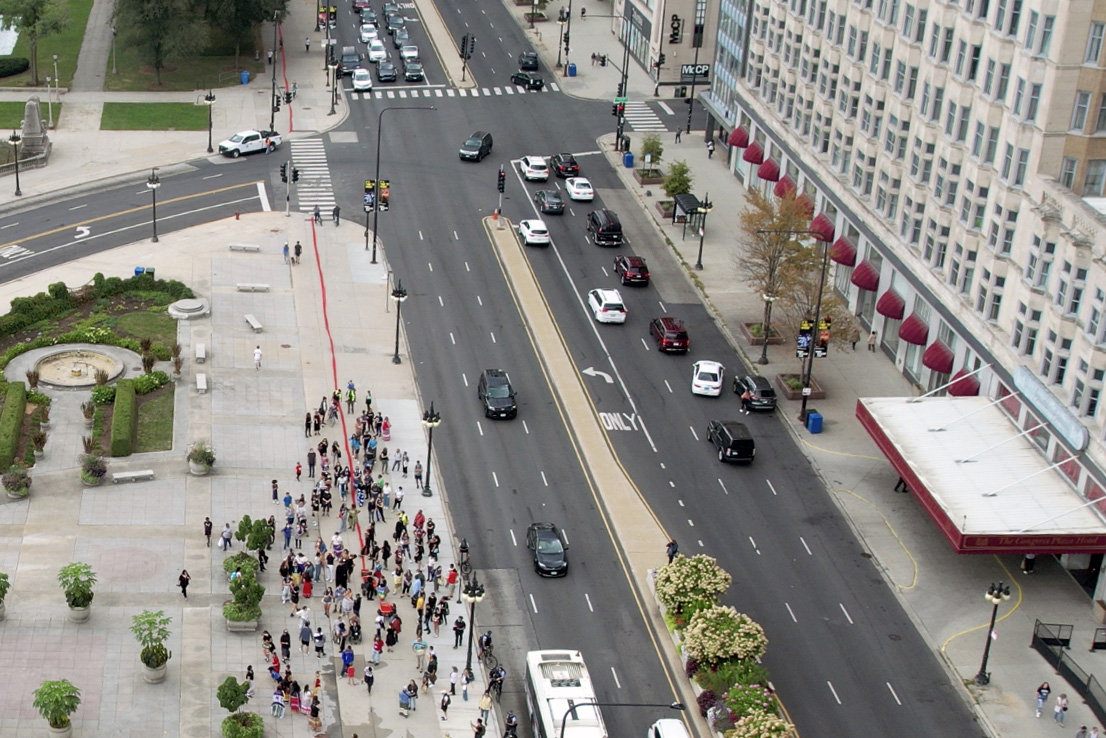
(76, 367)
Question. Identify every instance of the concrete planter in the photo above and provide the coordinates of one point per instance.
(656, 178)
(198, 470)
(154, 675)
(746, 332)
(242, 626)
(816, 391)
(3, 612)
(59, 732)
(18, 494)
(80, 614)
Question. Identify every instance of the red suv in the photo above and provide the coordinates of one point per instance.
(631, 269)
(670, 335)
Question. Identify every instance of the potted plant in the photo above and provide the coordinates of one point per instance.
(201, 457)
(5, 585)
(232, 694)
(38, 440)
(55, 702)
(88, 409)
(93, 470)
(44, 417)
(151, 630)
(76, 580)
(17, 482)
(178, 364)
(244, 611)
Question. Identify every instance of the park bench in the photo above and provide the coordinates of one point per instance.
(249, 287)
(249, 247)
(201, 353)
(254, 323)
(201, 384)
(132, 476)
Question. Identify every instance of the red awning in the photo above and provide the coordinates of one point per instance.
(754, 154)
(769, 171)
(865, 276)
(806, 204)
(843, 252)
(938, 357)
(739, 137)
(822, 227)
(784, 187)
(914, 330)
(963, 385)
(890, 305)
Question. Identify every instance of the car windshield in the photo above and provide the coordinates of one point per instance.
(499, 393)
(550, 545)
(537, 165)
(237, 138)
(583, 186)
(473, 143)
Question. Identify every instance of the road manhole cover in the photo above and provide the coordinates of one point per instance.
(895, 637)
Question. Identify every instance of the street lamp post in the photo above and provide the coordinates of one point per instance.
(472, 594)
(768, 299)
(333, 85)
(704, 207)
(568, 34)
(113, 34)
(995, 594)
(209, 101)
(399, 295)
(55, 67)
(49, 103)
(153, 183)
(15, 138)
(577, 705)
(273, 93)
(431, 420)
(561, 18)
(376, 199)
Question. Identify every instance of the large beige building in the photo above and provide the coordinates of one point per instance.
(958, 150)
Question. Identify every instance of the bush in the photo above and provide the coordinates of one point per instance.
(760, 725)
(697, 580)
(243, 725)
(12, 65)
(721, 633)
(58, 291)
(37, 398)
(247, 592)
(678, 181)
(147, 383)
(706, 700)
(240, 560)
(103, 395)
(744, 699)
(124, 420)
(11, 422)
(727, 674)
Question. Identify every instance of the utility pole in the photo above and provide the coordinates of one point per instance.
(273, 99)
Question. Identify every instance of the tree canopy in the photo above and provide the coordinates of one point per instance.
(162, 30)
(35, 20)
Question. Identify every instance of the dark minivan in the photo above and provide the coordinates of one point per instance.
(733, 441)
(496, 394)
(477, 146)
(604, 228)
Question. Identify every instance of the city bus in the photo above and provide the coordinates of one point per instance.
(557, 681)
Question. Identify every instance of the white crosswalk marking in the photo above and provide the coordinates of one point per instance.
(437, 93)
(450, 92)
(510, 90)
(640, 117)
(498, 91)
(314, 187)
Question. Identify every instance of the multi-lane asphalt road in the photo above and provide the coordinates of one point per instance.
(843, 654)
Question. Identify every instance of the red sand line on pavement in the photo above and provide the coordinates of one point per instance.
(284, 74)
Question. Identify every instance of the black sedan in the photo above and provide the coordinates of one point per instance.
(385, 72)
(529, 80)
(564, 165)
(528, 61)
(548, 548)
(549, 202)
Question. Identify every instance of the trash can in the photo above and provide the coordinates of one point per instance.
(628, 159)
(139, 271)
(814, 421)
(624, 144)
(572, 70)
(245, 76)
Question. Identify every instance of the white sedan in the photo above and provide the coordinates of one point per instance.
(377, 52)
(607, 306)
(579, 188)
(533, 233)
(706, 378)
(362, 80)
(368, 32)
(535, 168)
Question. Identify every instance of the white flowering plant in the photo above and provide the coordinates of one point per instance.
(720, 633)
(759, 724)
(694, 581)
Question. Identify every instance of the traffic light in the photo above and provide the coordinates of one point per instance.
(614, 108)
(603, 60)
(660, 61)
(465, 46)
(287, 98)
(295, 175)
(284, 172)
(566, 41)
(501, 180)
(472, 46)
(620, 109)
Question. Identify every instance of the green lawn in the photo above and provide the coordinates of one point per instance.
(155, 421)
(67, 45)
(153, 117)
(196, 73)
(11, 115)
(157, 326)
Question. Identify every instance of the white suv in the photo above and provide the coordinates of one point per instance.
(535, 168)
(607, 306)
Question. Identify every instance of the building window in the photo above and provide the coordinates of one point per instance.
(1007, 161)
(1019, 96)
(1067, 171)
(1079, 110)
(1038, 266)
(1094, 43)
(1096, 326)
(1022, 167)
(1095, 177)
(1027, 326)
(992, 145)
(1034, 103)
(989, 77)
(1046, 35)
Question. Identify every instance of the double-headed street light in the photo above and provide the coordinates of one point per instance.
(472, 594)
(399, 295)
(577, 705)
(15, 138)
(376, 199)
(995, 594)
(153, 183)
(333, 86)
(431, 420)
(704, 207)
(209, 101)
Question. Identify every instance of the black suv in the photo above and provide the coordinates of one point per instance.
(548, 549)
(496, 394)
(528, 80)
(631, 269)
(477, 146)
(733, 441)
(528, 61)
(763, 396)
(564, 165)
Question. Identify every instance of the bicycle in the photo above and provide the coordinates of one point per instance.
(487, 657)
(463, 558)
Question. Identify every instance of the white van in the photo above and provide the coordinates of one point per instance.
(668, 728)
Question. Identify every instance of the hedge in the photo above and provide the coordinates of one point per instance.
(124, 419)
(12, 65)
(11, 422)
(147, 383)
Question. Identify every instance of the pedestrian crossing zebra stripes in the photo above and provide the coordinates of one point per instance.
(314, 187)
(640, 117)
(402, 93)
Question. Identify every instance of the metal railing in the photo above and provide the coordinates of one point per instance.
(1052, 641)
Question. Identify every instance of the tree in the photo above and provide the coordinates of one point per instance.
(773, 258)
(232, 694)
(678, 181)
(253, 533)
(35, 20)
(161, 30)
(651, 151)
(237, 18)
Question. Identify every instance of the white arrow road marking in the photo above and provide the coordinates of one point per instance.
(593, 372)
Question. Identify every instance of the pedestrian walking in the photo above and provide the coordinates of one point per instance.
(444, 703)
(1042, 696)
(1060, 708)
(404, 466)
(485, 704)
(286, 252)
(678, 132)
(299, 470)
(1028, 562)
(336, 215)
(1093, 733)
(270, 55)
(454, 677)
(311, 463)
(286, 646)
(347, 663)
(320, 641)
(1082, 732)
(710, 149)
(672, 549)
(257, 357)
(307, 44)
(872, 338)
(418, 475)
(297, 252)
(318, 216)
(207, 531)
(183, 581)
(277, 708)
(478, 728)
(227, 535)
(854, 337)
(458, 631)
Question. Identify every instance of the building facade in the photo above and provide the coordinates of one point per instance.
(957, 150)
(673, 40)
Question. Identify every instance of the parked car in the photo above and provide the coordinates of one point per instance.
(549, 202)
(763, 395)
(631, 269)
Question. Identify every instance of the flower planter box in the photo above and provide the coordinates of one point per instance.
(198, 470)
(242, 626)
(655, 177)
(816, 391)
(746, 332)
(666, 208)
